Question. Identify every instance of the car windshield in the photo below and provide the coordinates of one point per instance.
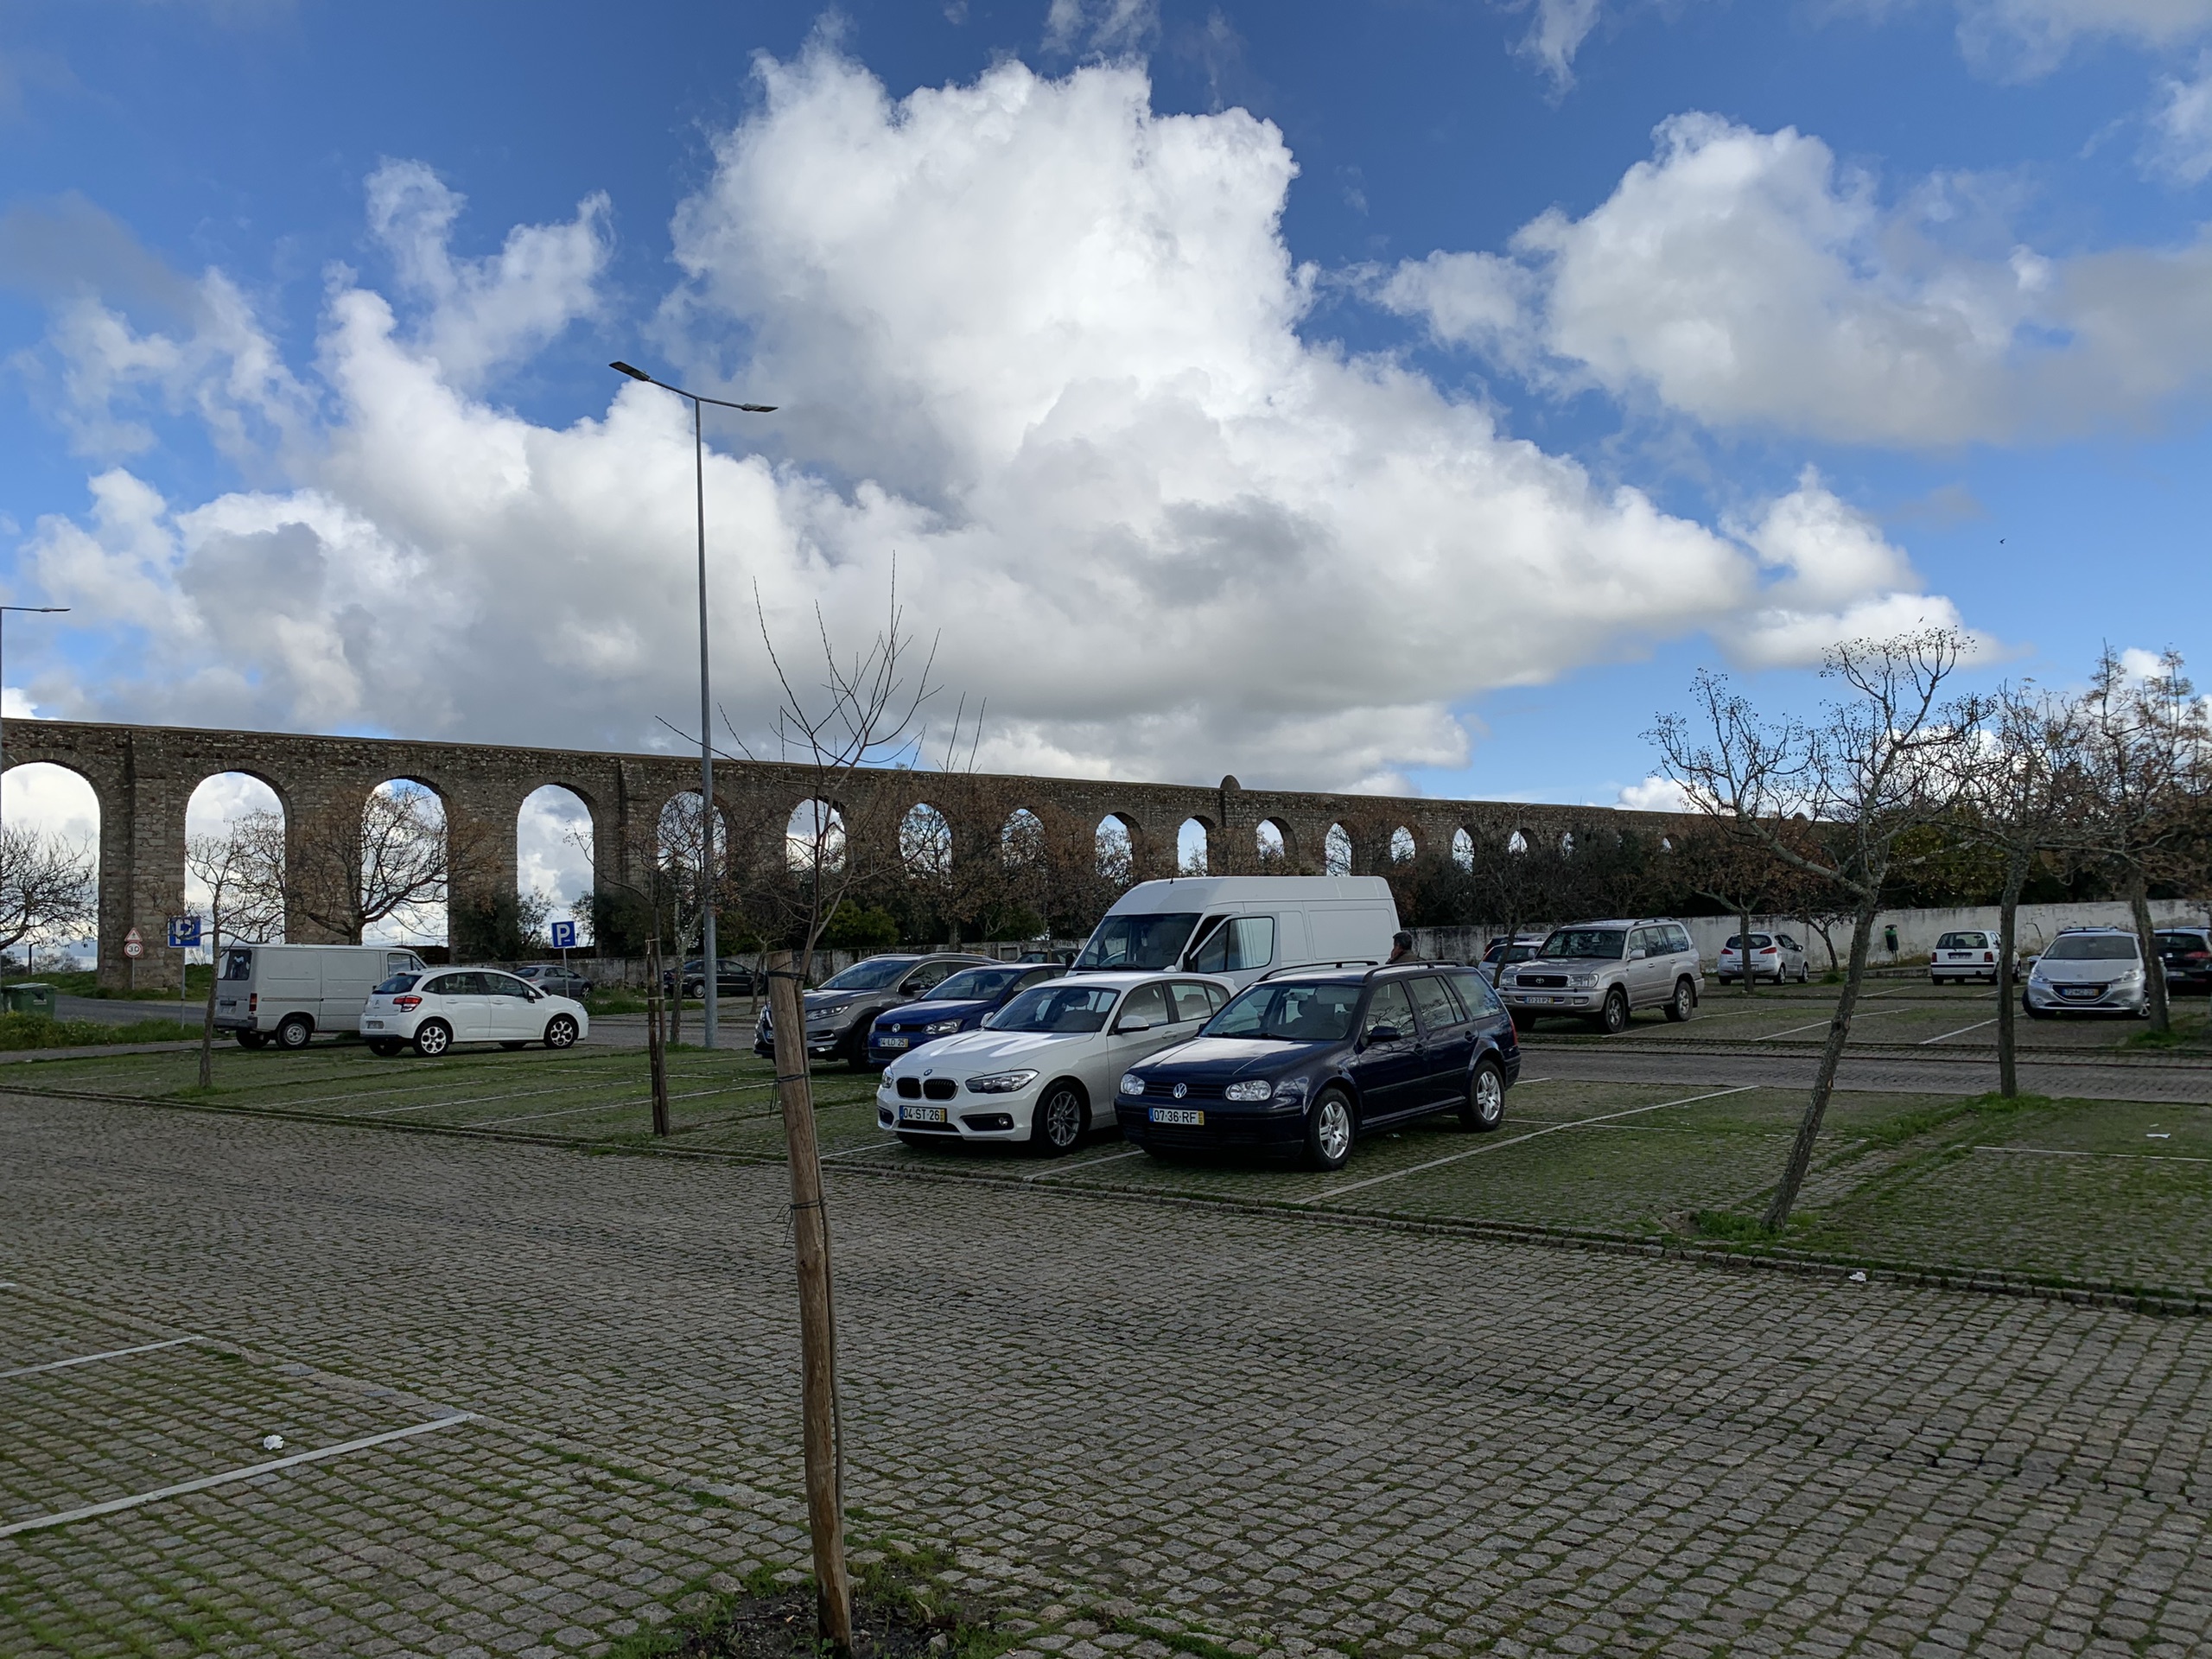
(1963, 942)
(1289, 1013)
(397, 983)
(1139, 941)
(2092, 947)
(1522, 952)
(974, 985)
(1059, 1007)
(870, 975)
(1570, 942)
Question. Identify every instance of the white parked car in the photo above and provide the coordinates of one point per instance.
(440, 1006)
(1042, 1071)
(1774, 955)
(2089, 971)
(1959, 957)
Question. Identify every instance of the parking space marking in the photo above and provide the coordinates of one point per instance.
(1067, 1169)
(86, 1359)
(2058, 1152)
(1961, 1032)
(1533, 1134)
(1817, 1024)
(113, 1505)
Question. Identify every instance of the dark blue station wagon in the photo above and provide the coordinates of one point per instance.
(1309, 1061)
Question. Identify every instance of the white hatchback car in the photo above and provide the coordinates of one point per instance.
(444, 1006)
(1774, 955)
(1042, 1071)
(1962, 957)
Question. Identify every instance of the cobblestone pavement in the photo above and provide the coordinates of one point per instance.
(1275, 1428)
(2146, 1077)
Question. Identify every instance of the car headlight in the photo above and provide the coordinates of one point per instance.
(1132, 1083)
(1250, 1089)
(2132, 978)
(1508, 978)
(940, 1027)
(1001, 1083)
(1582, 981)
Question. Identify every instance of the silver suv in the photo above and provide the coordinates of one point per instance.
(1603, 971)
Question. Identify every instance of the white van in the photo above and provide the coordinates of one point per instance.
(286, 993)
(1240, 927)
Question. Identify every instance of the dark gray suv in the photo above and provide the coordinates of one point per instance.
(839, 1014)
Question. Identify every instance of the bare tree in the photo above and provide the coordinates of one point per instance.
(865, 711)
(2144, 749)
(1879, 765)
(2022, 795)
(47, 887)
(1725, 862)
(351, 870)
(245, 899)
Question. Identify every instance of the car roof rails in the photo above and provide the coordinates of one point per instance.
(1318, 966)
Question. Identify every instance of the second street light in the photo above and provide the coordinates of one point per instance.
(710, 963)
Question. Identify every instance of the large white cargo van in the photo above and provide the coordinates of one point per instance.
(284, 993)
(1240, 927)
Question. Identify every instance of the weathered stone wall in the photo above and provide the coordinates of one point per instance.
(143, 776)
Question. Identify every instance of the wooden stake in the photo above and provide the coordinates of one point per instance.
(825, 1513)
(656, 1047)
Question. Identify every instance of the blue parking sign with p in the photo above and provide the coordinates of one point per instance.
(184, 932)
(564, 935)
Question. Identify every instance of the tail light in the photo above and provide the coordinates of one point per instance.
(405, 1003)
(253, 1002)
(1989, 955)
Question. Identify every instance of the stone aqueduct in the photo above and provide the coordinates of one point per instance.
(143, 776)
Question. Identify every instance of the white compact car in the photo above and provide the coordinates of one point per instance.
(2088, 970)
(1042, 1073)
(1962, 957)
(1774, 955)
(440, 1006)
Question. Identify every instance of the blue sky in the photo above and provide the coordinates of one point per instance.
(1747, 323)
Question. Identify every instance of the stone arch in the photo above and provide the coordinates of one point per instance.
(814, 835)
(1118, 842)
(400, 862)
(1337, 851)
(62, 805)
(1404, 847)
(1021, 837)
(925, 843)
(557, 860)
(1462, 849)
(1275, 846)
(236, 822)
(1194, 846)
(1518, 842)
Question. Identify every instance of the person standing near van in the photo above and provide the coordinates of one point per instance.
(1401, 948)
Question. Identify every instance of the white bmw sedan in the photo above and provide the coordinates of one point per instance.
(445, 1006)
(1042, 1071)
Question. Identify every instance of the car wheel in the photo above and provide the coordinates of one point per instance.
(294, 1033)
(433, 1037)
(1614, 1018)
(560, 1032)
(1058, 1124)
(855, 1049)
(386, 1046)
(2030, 1010)
(1485, 1107)
(1804, 972)
(1683, 1003)
(1329, 1132)
(249, 1038)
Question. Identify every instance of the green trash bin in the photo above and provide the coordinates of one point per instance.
(30, 998)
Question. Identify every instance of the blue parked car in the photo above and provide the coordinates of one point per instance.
(1310, 1060)
(958, 1004)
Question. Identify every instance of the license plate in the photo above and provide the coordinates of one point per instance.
(891, 1042)
(372, 1025)
(921, 1114)
(2070, 991)
(1182, 1114)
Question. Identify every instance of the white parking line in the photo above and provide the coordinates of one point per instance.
(1067, 1169)
(1961, 1032)
(113, 1504)
(2053, 1152)
(1533, 1134)
(1817, 1024)
(86, 1359)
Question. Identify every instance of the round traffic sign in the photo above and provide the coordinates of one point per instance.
(133, 948)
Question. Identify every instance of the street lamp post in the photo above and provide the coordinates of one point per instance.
(710, 965)
(27, 610)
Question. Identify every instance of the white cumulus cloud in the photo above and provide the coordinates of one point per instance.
(1037, 347)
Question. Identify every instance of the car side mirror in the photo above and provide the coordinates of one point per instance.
(1638, 954)
(1385, 1034)
(1136, 1023)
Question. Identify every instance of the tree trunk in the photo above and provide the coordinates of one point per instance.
(1809, 1128)
(817, 1322)
(2008, 918)
(215, 972)
(2154, 973)
(1743, 948)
